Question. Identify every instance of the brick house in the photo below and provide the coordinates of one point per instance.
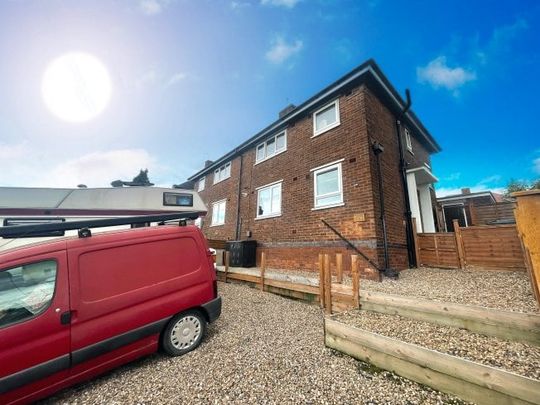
(317, 161)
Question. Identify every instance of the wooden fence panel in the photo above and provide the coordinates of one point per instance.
(490, 247)
(493, 247)
(485, 214)
(437, 250)
(217, 244)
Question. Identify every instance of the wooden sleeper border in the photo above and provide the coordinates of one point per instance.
(466, 379)
(515, 326)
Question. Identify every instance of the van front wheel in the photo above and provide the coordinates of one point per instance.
(183, 333)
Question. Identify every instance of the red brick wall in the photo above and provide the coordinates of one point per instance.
(294, 239)
(226, 189)
(382, 128)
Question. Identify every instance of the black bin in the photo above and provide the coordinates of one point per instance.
(242, 253)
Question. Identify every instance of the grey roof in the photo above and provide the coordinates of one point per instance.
(367, 72)
(467, 196)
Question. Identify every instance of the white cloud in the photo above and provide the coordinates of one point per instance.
(280, 3)
(24, 165)
(98, 169)
(155, 78)
(176, 78)
(490, 183)
(445, 191)
(496, 178)
(280, 51)
(536, 165)
(452, 176)
(238, 5)
(147, 78)
(12, 152)
(152, 7)
(439, 74)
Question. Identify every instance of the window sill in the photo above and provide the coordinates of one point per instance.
(328, 128)
(270, 157)
(214, 225)
(328, 206)
(268, 216)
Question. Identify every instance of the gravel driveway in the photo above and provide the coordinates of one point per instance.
(264, 349)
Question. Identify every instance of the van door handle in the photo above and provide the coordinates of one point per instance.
(65, 318)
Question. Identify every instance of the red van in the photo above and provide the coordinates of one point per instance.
(73, 308)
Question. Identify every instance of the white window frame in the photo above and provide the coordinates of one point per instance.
(323, 169)
(214, 211)
(218, 173)
(276, 152)
(265, 187)
(408, 140)
(201, 184)
(317, 132)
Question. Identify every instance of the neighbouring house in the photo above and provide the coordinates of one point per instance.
(319, 160)
(479, 208)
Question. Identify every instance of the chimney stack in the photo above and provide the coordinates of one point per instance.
(208, 163)
(466, 190)
(286, 110)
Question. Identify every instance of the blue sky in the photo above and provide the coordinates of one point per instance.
(193, 79)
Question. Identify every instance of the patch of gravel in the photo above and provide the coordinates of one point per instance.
(520, 358)
(264, 349)
(507, 290)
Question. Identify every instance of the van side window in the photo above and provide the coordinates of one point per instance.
(26, 291)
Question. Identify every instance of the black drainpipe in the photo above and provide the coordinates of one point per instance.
(238, 201)
(403, 169)
(377, 150)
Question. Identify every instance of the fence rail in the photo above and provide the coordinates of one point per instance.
(490, 247)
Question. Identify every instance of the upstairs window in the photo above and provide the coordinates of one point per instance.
(408, 140)
(269, 201)
(326, 118)
(218, 212)
(224, 172)
(201, 184)
(328, 186)
(271, 147)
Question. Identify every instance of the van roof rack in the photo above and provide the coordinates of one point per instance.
(19, 231)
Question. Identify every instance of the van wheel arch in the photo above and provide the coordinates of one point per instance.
(184, 332)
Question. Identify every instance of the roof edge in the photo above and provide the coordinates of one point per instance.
(368, 67)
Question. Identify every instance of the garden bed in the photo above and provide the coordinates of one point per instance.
(470, 380)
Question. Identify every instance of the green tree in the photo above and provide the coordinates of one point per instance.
(521, 185)
(142, 178)
(516, 185)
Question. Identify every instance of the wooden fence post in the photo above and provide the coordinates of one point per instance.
(321, 279)
(416, 247)
(327, 285)
(263, 269)
(472, 212)
(226, 264)
(339, 267)
(459, 244)
(355, 281)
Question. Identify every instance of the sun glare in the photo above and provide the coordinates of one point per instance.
(76, 87)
